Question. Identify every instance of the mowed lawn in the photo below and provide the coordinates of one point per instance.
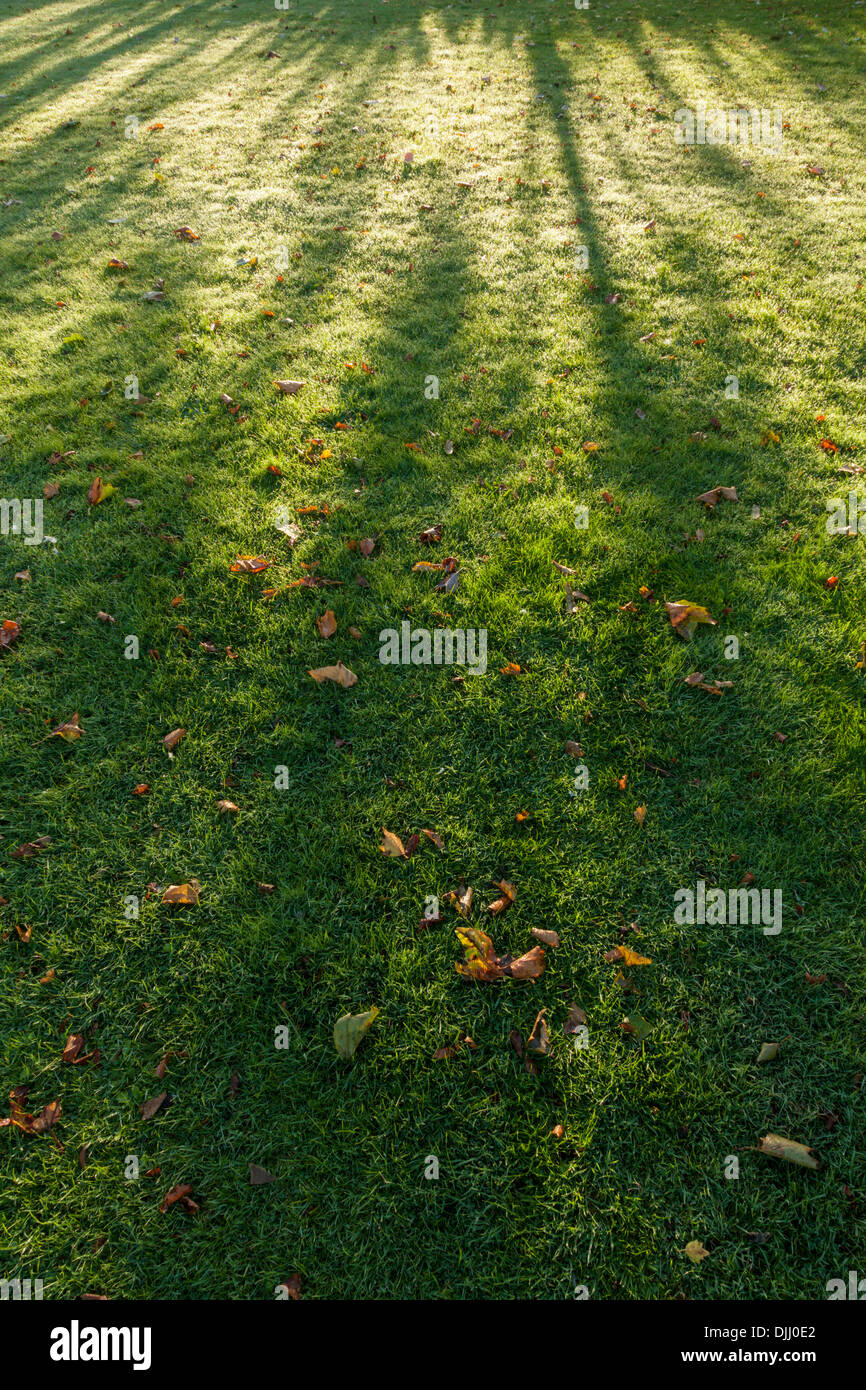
(565, 380)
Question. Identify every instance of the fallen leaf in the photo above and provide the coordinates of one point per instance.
(392, 845)
(686, 617)
(70, 730)
(547, 938)
(538, 1041)
(622, 953)
(150, 1107)
(350, 1029)
(777, 1147)
(250, 564)
(528, 966)
(710, 499)
(174, 738)
(480, 959)
(186, 893)
(97, 492)
(258, 1175)
(327, 624)
(339, 674)
(696, 1251)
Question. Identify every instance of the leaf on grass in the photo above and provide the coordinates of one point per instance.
(74, 1045)
(326, 623)
(339, 674)
(30, 1124)
(480, 959)
(98, 491)
(627, 957)
(30, 850)
(538, 1041)
(436, 839)
(186, 893)
(179, 1193)
(250, 564)
(768, 1052)
(392, 845)
(686, 617)
(69, 731)
(431, 535)
(350, 1029)
(9, 632)
(777, 1147)
(711, 499)
(259, 1176)
(291, 532)
(576, 1019)
(462, 899)
(696, 1252)
(149, 1108)
(528, 966)
(174, 738)
(547, 938)
(227, 808)
(289, 388)
(640, 814)
(636, 1027)
(186, 234)
(573, 749)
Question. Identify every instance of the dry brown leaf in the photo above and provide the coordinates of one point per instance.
(538, 1041)
(326, 623)
(547, 938)
(250, 564)
(339, 674)
(149, 1108)
(528, 966)
(174, 738)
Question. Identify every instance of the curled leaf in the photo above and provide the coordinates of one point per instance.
(350, 1029)
(777, 1147)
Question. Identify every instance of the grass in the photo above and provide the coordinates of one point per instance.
(561, 122)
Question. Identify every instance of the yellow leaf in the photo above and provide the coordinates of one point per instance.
(350, 1029)
(696, 1252)
(70, 730)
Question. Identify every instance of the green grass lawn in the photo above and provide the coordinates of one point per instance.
(535, 130)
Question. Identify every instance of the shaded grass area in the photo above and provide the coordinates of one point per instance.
(561, 124)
